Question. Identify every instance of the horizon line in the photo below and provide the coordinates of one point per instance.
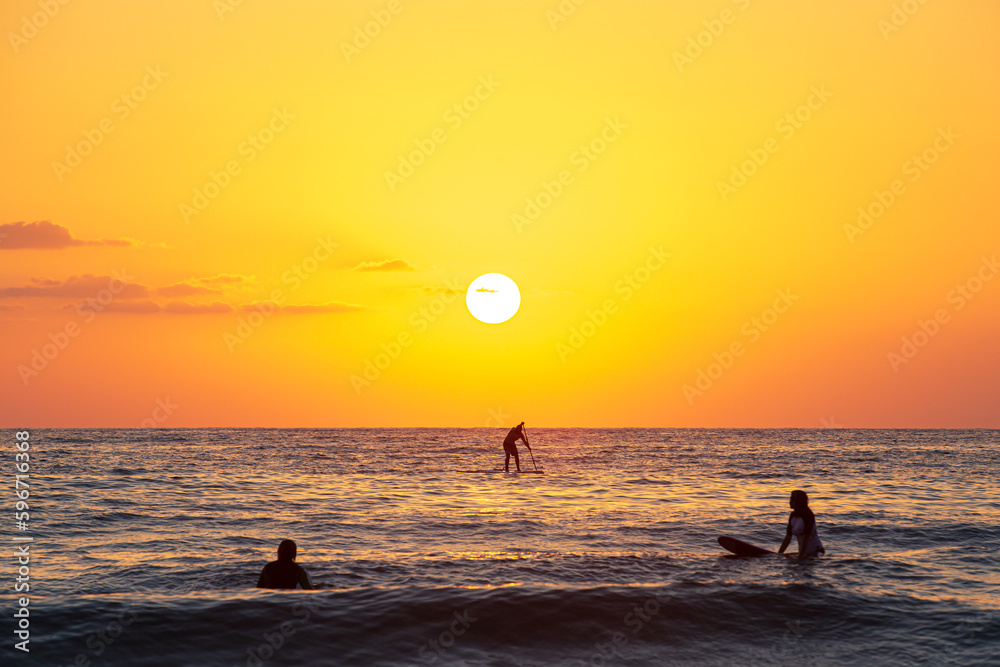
(665, 428)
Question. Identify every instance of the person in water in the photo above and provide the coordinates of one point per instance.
(802, 524)
(284, 572)
(509, 448)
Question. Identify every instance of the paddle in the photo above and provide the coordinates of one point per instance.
(525, 434)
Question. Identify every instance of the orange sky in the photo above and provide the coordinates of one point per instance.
(262, 216)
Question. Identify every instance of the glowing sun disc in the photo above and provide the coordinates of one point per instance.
(493, 298)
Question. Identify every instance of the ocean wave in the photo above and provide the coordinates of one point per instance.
(521, 625)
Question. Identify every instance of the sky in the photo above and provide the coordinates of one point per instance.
(730, 213)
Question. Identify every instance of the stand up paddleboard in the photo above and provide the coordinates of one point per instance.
(501, 472)
(741, 548)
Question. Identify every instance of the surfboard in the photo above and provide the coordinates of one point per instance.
(500, 472)
(741, 548)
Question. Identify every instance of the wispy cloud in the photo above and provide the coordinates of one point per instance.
(142, 306)
(145, 307)
(89, 285)
(306, 308)
(47, 235)
(184, 308)
(137, 299)
(225, 278)
(184, 289)
(86, 285)
(484, 289)
(386, 265)
(430, 290)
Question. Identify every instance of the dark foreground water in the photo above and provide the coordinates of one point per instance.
(147, 545)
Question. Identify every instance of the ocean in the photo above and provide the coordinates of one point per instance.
(147, 544)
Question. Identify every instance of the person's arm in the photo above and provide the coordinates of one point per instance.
(260, 579)
(304, 579)
(524, 437)
(788, 537)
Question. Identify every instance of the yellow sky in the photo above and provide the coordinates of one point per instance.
(218, 159)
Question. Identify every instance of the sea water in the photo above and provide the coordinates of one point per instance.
(147, 545)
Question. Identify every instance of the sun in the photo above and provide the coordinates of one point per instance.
(493, 298)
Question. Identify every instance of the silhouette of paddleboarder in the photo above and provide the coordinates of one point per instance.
(509, 448)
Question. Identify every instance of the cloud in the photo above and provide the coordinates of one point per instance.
(143, 306)
(433, 289)
(483, 289)
(46, 235)
(184, 308)
(184, 289)
(386, 265)
(305, 308)
(138, 299)
(226, 278)
(201, 286)
(83, 286)
(146, 306)
(90, 286)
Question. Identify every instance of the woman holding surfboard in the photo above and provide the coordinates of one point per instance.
(802, 524)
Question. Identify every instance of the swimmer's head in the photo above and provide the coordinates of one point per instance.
(798, 500)
(286, 550)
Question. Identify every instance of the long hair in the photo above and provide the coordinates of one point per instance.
(799, 499)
